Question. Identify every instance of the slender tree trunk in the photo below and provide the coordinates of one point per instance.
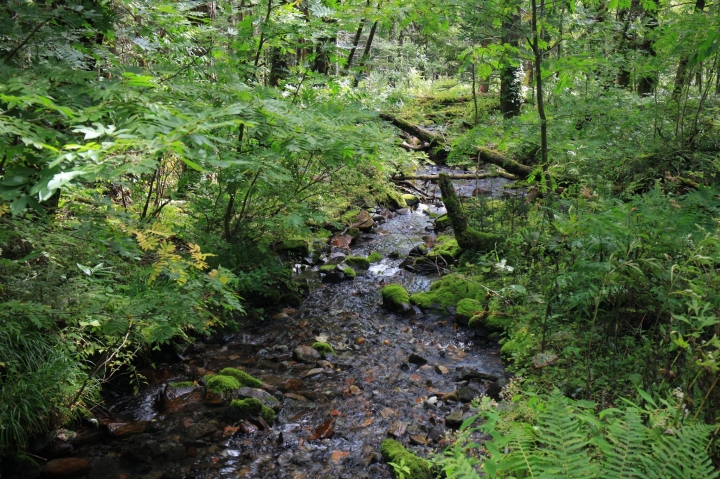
(366, 53)
(681, 76)
(537, 53)
(510, 87)
(355, 43)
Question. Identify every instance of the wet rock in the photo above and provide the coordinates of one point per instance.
(419, 250)
(360, 341)
(417, 359)
(125, 429)
(395, 298)
(312, 372)
(66, 467)
(105, 467)
(202, 429)
(175, 452)
(397, 429)
(306, 354)
(394, 254)
(333, 277)
(363, 221)
(434, 434)
(178, 396)
(454, 419)
(336, 258)
(87, 437)
(494, 389)
(403, 211)
(263, 396)
(467, 394)
(418, 439)
(465, 374)
(441, 369)
(296, 397)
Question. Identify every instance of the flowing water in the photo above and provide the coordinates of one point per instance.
(335, 413)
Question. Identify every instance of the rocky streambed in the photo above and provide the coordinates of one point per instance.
(407, 376)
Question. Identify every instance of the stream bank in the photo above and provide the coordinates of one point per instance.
(408, 377)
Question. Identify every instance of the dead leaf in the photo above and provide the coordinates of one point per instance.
(324, 430)
(367, 422)
(337, 456)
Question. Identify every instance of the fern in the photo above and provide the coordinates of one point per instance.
(567, 440)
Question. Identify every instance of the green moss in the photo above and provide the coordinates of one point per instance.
(349, 273)
(395, 200)
(520, 346)
(449, 290)
(474, 240)
(291, 299)
(446, 247)
(323, 348)
(468, 307)
(353, 232)
(396, 453)
(375, 257)
(242, 377)
(410, 200)
(359, 262)
(395, 297)
(489, 321)
(327, 268)
(251, 408)
(182, 384)
(442, 223)
(219, 383)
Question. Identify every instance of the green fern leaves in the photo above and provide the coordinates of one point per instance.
(568, 440)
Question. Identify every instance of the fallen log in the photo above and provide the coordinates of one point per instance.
(457, 176)
(511, 166)
(414, 130)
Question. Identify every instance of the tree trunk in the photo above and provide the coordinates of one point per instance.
(537, 53)
(355, 43)
(681, 77)
(510, 87)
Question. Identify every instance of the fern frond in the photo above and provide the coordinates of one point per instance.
(680, 454)
(624, 447)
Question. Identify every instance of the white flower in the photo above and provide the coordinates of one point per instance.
(502, 266)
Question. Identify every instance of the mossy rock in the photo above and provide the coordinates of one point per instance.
(375, 257)
(291, 299)
(298, 248)
(353, 232)
(395, 200)
(393, 451)
(478, 241)
(323, 348)
(243, 378)
(395, 297)
(466, 308)
(327, 268)
(359, 262)
(250, 408)
(489, 320)
(449, 291)
(349, 273)
(182, 385)
(410, 200)
(220, 384)
(442, 223)
(446, 247)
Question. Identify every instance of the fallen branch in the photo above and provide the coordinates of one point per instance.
(457, 176)
(414, 130)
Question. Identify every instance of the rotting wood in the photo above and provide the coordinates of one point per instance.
(421, 133)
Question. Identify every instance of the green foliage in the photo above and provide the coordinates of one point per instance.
(242, 377)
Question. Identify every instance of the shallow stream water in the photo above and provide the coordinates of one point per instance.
(368, 391)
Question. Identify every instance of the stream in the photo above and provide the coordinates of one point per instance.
(392, 376)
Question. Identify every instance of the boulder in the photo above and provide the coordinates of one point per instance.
(306, 354)
(395, 298)
(66, 467)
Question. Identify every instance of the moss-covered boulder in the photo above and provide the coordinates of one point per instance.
(466, 309)
(242, 377)
(374, 257)
(449, 291)
(220, 384)
(489, 320)
(395, 200)
(393, 451)
(349, 273)
(410, 200)
(447, 248)
(323, 348)
(250, 408)
(478, 241)
(353, 232)
(297, 248)
(395, 298)
(291, 299)
(328, 268)
(359, 262)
